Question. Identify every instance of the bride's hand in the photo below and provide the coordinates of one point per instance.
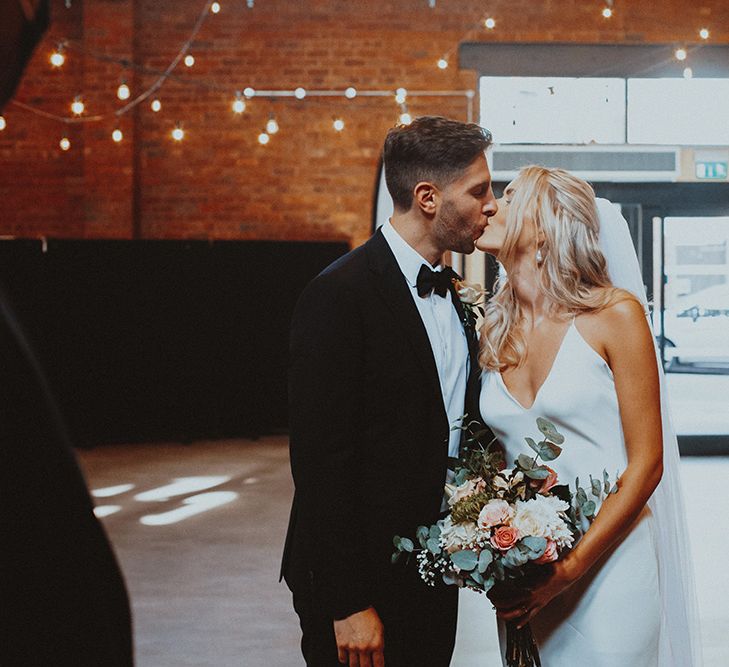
(520, 609)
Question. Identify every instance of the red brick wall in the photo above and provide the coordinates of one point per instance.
(310, 182)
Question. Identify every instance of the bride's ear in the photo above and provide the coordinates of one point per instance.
(426, 197)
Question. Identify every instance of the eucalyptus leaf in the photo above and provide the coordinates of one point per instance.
(498, 569)
(450, 578)
(535, 545)
(435, 531)
(407, 544)
(465, 560)
(395, 557)
(532, 444)
(537, 473)
(484, 560)
(549, 430)
(422, 533)
(433, 545)
(526, 462)
(596, 487)
(396, 541)
(581, 496)
(606, 481)
(588, 508)
(515, 558)
(461, 476)
(476, 576)
(488, 584)
(548, 451)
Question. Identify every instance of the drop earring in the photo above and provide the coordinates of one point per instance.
(540, 259)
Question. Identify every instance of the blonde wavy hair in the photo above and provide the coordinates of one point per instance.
(573, 271)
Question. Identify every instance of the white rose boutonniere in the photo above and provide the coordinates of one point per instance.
(472, 297)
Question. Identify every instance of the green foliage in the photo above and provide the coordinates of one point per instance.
(465, 560)
(485, 559)
(550, 430)
(468, 509)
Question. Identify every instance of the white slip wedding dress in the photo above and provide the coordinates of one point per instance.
(611, 617)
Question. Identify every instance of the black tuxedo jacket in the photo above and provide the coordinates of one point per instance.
(368, 426)
(63, 597)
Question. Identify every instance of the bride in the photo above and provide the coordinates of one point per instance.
(561, 340)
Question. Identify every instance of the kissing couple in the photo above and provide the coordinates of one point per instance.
(386, 358)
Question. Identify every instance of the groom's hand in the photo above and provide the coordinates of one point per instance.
(361, 639)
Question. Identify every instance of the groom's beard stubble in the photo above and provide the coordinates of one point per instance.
(453, 230)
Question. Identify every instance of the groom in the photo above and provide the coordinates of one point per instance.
(380, 366)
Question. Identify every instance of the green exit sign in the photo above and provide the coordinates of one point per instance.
(711, 170)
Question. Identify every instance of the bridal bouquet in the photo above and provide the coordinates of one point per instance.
(504, 524)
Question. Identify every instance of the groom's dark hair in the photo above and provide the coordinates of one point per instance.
(431, 148)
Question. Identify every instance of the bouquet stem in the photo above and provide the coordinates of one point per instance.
(521, 649)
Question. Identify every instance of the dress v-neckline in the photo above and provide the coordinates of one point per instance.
(546, 379)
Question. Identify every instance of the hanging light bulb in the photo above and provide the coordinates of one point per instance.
(77, 106)
(688, 73)
(680, 54)
(215, 7)
(443, 63)
(178, 134)
(156, 105)
(117, 135)
(65, 143)
(704, 33)
(272, 125)
(338, 124)
(607, 12)
(300, 93)
(239, 104)
(350, 93)
(401, 95)
(406, 118)
(57, 57)
(3, 124)
(263, 138)
(489, 23)
(189, 60)
(123, 92)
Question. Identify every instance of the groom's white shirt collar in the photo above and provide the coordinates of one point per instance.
(408, 259)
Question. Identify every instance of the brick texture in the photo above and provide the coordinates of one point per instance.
(309, 182)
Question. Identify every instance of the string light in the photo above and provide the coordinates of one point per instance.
(239, 105)
(680, 54)
(156, 105)
(77, 106)
(65, 143)
(263, 138)
(607, 12)
(215, 7)
(350, 93)
(123, 92)
(401, 95)
(406, 118)
(688, 73)
(178, 134)
(3, 124)
(704, 33)
(443, 63)
(249, 92)
(57, 58)
(489, 23)
(117, 135)
(300, 93)
(338, 124)
(189, 60)
(272, 125)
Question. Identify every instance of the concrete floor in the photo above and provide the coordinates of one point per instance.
(199, 530)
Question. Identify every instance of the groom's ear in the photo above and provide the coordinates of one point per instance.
(426, 197)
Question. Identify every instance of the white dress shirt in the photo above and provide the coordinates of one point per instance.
(444, 329)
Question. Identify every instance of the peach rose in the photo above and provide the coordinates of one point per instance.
(549, 482)
(550, 554)
(504, 537)
(494, 512)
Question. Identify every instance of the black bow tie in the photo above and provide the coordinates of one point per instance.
(434, 281)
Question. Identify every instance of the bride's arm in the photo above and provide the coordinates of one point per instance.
(628, 346)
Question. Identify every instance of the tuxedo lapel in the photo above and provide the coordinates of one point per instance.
(394, 290)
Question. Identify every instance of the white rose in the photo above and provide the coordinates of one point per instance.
(470, 293)
(494, 513)
(543, 516)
